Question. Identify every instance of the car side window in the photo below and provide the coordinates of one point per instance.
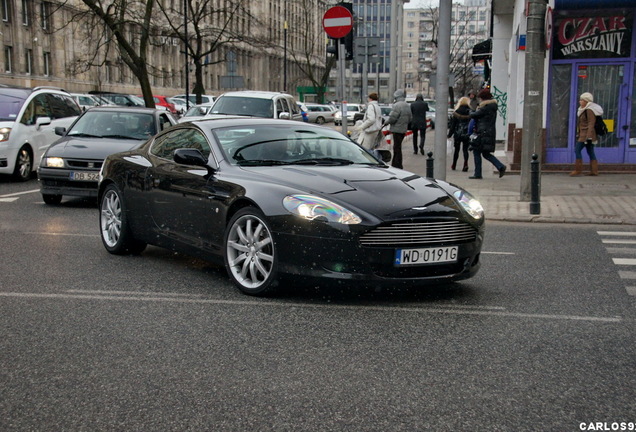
(294, 108)
(281, 107)
(62, 106)
(164, 123)
(165, 145)
(38, 107)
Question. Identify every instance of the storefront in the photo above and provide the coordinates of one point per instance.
(592, 49)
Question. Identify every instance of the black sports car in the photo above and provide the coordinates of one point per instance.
(277, 198)
(70, 166)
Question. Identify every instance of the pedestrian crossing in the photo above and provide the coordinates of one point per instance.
(622, 246)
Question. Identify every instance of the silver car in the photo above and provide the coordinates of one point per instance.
(319, 113)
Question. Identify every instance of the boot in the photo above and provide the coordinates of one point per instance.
(594, 168)
(465, 166)
(578, 167)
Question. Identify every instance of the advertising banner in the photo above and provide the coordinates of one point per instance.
(585, 34)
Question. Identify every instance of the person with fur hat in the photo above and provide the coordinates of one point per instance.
(485, 118)
(399, 119)
(586, 134)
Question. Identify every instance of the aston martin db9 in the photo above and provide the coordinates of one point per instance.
(275, 199)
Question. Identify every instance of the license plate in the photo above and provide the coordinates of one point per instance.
(432, 255)
(84, 176)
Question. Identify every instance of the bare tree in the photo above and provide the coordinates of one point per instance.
(210, 26)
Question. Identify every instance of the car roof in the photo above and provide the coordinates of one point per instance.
(255, 94)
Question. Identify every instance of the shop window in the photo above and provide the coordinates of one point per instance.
(560, 106)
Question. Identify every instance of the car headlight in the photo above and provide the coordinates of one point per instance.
(315, 208)
(469, 203)
(53, 162)
(4, 134)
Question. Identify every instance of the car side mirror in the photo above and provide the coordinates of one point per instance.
(385, 155)
(284, 116)
(187, 156)
(59, 130)
(43, 121)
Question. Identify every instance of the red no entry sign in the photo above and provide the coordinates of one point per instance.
(337, 22)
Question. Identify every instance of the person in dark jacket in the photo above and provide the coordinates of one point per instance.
(418, 122)
(485, 119)
(458, 130)
(399, 119)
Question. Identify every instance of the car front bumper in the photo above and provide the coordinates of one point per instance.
(55, 181)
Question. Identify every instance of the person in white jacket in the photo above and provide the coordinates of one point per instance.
(371, 123)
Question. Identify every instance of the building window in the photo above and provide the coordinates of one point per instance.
(47, 63)
(28, 66)
(8, 59)
(45, 15)
(26, 12)
(6, 10)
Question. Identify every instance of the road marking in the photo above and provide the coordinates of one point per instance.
(627, 274)
(142, 293)
(19, 193)
(619, 241)
(265, 303)
(624, 251)
(498, 253)
(9, 199)
(617, 233)
(631, 290)
(624, 261)
(60, 234)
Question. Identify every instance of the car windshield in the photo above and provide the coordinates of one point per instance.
(117, 125)
(197, 111)
(287, 145)
(10, 105)
(245, 106)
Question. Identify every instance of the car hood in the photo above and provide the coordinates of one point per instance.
(90, 148)
(7, 124)
(410, 194)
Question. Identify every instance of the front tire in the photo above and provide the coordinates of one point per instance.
(23, 165)
(250, 253)
(320, 120)
(113, 224)
(52, 199)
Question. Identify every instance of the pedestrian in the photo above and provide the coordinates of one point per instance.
(473, 100)
(418, 122)
(399, 119)
(485, 133)
(371, 123)
(458, 130)
(586, 134)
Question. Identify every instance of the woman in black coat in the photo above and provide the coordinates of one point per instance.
(485, 119)
(458, 130)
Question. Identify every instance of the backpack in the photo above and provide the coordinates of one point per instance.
(599, 126)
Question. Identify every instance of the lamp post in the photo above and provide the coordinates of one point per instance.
(285, 56)
(185, 51)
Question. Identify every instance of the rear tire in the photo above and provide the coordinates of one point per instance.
(320, 120)
(113, 223)
(23, 165)
(52, 199)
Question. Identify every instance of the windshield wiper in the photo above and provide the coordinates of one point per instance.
(84, 135)
(324, 161)
(120, 137)
(260, 162)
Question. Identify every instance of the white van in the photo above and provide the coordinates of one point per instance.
(28, 118)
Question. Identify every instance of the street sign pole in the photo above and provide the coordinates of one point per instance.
(341, 83)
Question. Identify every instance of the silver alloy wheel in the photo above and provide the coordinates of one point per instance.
(250, 251)
(24, 164)
(110, 218)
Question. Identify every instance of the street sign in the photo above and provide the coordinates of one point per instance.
(337, 22)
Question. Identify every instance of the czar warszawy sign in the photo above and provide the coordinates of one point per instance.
(605, 36)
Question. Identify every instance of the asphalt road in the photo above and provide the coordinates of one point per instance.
(542, 339)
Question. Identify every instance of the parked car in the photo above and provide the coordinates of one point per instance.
(197, 112)
(319, 113)
(165, 102)
(275, 198)
(384, 109)
(352, 109)
(71, 165)
(86, 101)
(28, 118)
(193, 98)
(258, 104)
(119, 98)
(180, 105)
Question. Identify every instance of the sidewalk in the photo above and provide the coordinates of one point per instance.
(606, 199)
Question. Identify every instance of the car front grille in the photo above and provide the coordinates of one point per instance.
(419, 233)
(86, 164)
